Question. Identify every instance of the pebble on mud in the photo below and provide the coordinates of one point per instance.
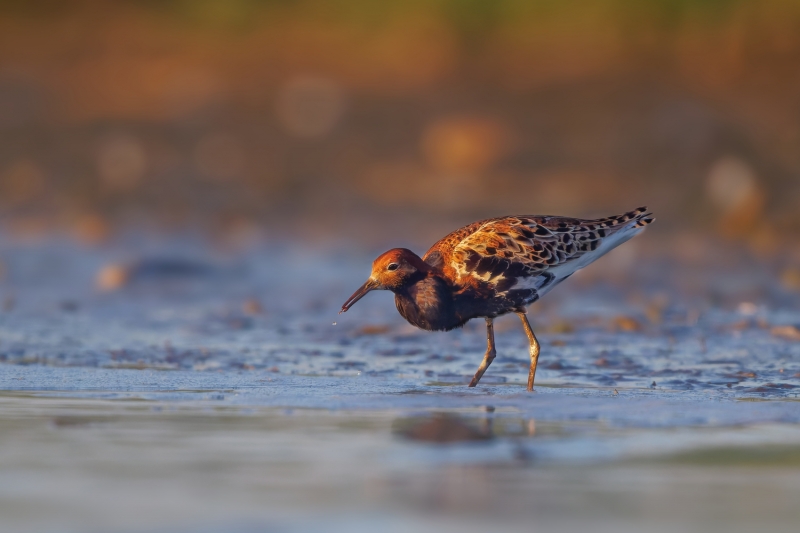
(252, 307)
(742, 375)
(791, 333)
(373, 329)
(112, 277)
(117, 275)
(561, 326)
(627, 324)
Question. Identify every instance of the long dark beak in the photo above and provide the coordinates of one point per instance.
(364, 289)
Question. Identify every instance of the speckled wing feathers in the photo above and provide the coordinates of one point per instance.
(520, 258)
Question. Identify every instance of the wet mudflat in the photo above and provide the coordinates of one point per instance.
(207, 392)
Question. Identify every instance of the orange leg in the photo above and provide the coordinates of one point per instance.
(534, 348)
(491, 353)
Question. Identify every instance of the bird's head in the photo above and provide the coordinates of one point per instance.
(392, 271)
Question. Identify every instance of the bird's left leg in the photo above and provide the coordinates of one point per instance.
(534, 347)
(490, 353)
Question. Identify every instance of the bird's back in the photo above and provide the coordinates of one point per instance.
(516, 259)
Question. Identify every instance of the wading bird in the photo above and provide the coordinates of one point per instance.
(494, 267)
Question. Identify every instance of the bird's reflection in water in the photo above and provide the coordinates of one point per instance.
(444, 428)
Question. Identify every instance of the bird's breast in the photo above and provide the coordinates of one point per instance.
(428, 304)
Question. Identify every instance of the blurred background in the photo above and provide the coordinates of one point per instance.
(362, 121)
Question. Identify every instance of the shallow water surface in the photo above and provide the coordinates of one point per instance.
(238, 458)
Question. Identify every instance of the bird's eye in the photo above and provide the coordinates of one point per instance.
(392, 266)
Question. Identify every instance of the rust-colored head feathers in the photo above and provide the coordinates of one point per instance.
(395, 268)
(390, 271)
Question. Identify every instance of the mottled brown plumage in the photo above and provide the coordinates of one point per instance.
(494, 267)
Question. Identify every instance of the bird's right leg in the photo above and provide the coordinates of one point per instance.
(534, 347)
(491, 353)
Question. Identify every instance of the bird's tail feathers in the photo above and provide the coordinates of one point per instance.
(641, 217)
